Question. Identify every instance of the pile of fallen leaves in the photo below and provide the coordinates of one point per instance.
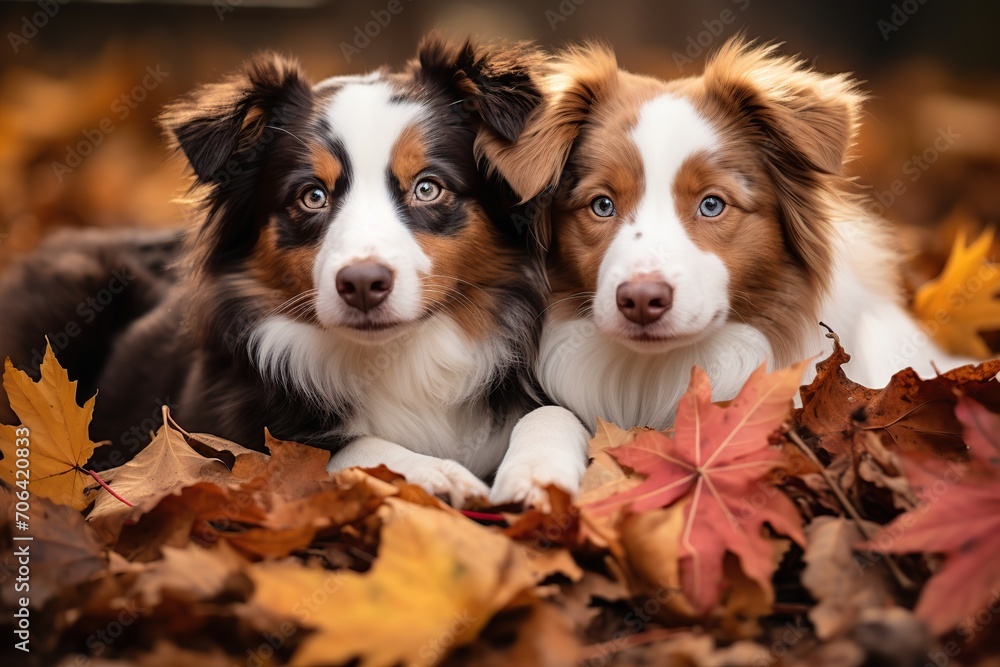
(860, 529)
(863, 526)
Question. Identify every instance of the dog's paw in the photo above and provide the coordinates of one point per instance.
(548, 447)
(526, 483)
(446, 478)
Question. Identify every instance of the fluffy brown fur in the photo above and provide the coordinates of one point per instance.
(786, 130)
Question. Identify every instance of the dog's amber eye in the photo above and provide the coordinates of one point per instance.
(603, 207)
(314, 198)
(711, 206)
(427, 190)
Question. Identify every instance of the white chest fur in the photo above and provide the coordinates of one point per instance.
(593, 376)
(424, 390)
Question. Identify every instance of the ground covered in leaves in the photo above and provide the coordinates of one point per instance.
(860, 529)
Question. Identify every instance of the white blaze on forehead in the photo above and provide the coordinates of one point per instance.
(668, 132)
(653, 239)
(368, 123)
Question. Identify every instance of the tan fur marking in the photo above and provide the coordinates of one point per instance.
(285, 273)
(326, 166)
(462, 265)
(409, 155)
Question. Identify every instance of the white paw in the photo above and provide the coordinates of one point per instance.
(527, 482)
(446, 478)
(548, 447)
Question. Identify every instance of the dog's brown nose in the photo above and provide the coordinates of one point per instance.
(644, 301)
(364, 285)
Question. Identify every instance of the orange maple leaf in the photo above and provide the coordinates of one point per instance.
(960, 518)
(717, 460)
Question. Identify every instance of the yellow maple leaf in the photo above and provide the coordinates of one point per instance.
(962, 302)
(438, 580)
(57, 441)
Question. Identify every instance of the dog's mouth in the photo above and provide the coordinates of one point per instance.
(656, 338)
(656, 343)
(375, 327)
(372, 330)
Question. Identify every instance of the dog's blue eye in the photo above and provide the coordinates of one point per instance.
(427, 190)
(314, 198)
(603, 207)
(711, 206)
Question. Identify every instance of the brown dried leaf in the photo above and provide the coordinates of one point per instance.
(842, 585)
(62, 552)
(166, 465)
(192, 574)
(910, 414)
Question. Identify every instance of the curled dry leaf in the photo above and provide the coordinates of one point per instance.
(292, 470)
(909, 414)
(560, 525)
(59, 444)
(203, 512)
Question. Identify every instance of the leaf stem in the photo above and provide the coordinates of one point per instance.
(107, 488)
(904, 582)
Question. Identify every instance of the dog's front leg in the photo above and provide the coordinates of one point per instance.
(547, 447)
(442, 477)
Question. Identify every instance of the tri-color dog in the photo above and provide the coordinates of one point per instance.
(357, 281)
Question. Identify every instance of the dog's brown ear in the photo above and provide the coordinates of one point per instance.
(222, 121)
(812, 114)
(571, 84)
(804, 123)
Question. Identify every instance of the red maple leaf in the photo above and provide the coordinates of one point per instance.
(718, 460)
(960, 518)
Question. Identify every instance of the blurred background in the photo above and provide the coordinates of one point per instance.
(81, 84)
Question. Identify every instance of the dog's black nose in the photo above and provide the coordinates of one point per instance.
(644, 301)
(364, 285)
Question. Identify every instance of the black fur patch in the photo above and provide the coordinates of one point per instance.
(492, 83)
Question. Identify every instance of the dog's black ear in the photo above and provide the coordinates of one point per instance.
(803, 122)
(219, 122)
(571, 84)
(497, 81)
